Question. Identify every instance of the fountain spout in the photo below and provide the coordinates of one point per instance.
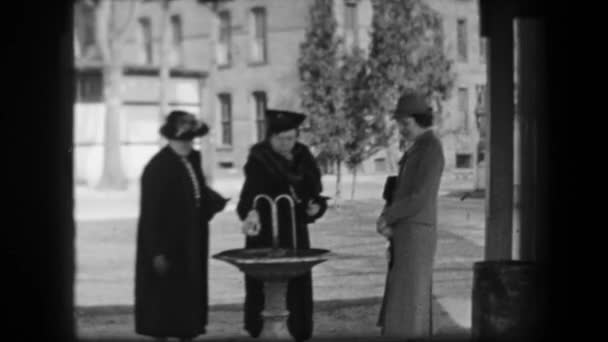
(293, 217)
(273, 213)
(275, 219)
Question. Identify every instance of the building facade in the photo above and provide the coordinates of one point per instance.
(244, 56)
(140, 51)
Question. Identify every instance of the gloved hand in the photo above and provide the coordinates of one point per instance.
(382, 228)
(251, 224)
(313, 208)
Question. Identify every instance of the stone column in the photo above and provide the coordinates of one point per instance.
(499, 204)
(531, 108)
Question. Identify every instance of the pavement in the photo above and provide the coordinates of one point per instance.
(343, 286)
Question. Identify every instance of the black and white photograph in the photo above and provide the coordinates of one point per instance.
(289, 170)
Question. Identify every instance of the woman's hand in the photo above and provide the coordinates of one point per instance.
(382, 228)
(388, 251)
(313, 208)
(251, 225)
(161, 265)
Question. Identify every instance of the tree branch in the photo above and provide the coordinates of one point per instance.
(119, 34)
(102, 28)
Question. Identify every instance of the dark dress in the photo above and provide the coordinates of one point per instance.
(267, 172)
(173, 222)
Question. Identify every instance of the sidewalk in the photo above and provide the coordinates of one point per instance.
(348, 289)
(353, 320)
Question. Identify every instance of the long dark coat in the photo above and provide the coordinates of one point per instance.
(267, 172)
(173, 224)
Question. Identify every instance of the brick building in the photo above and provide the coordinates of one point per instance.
(231, 59)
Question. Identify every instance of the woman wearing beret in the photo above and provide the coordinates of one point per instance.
(173, 236)
(281, 165)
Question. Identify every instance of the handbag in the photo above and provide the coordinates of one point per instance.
(389, 189)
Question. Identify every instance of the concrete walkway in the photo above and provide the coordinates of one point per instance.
(105, 256)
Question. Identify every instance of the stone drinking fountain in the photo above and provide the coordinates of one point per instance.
(275, 266)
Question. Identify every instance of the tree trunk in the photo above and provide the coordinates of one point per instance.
(112, 176)
(164, 63)
(338, 182)
(354, 185)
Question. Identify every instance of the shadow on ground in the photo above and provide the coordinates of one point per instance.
(335, 320)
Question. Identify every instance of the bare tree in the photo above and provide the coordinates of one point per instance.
(164, 60)
(111, 31)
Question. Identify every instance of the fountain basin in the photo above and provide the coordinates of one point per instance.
(274, 264)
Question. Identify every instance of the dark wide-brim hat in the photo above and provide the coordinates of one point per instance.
(169, 128)
(282, 120)
(411, 104)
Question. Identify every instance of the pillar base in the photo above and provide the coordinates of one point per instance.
(275, 312)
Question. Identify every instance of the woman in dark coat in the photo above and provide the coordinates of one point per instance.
(172, 236)
(281, 165)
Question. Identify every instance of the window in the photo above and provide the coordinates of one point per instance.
(463, 106)
(462, 40)
(146, 37)
(177, 40)
(380, 165)
(481, 109)
(464, 161)
(224, 39)
(350, 24)
(259, 98)
(89, 87)
(226, 164)
(482, 49)
(480, 92)
(258, 37)
(226, 118)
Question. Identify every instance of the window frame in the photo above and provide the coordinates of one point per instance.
(226, 126)
(224, 39)
(464, 106)
(462, 46)
(258, 40)
(89, 87)
(259, 116)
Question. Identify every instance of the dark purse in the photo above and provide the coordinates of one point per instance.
(387, 195)
(389, 189)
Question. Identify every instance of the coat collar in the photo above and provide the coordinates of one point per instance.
(420, 140)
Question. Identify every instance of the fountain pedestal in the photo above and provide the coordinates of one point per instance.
(275, 267)
(275, 313)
